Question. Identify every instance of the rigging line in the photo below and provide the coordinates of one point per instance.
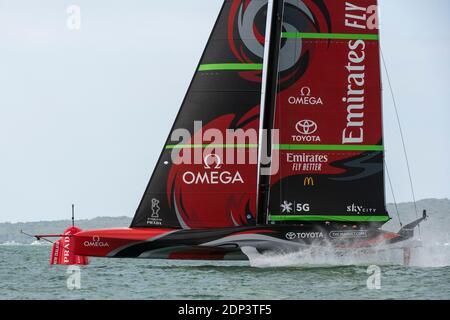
(49, 241)
(393, 194)
(401, 134)
(37, 238)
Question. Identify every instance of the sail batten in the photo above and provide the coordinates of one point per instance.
(329, 218)
(336, 36)
(325, 147)
(230, 66)
(204, 146)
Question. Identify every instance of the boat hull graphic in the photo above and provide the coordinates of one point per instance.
(223, 244)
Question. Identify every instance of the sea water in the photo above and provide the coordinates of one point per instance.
(26, 274)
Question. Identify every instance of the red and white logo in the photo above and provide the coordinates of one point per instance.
(306, 130)
(305, 98)
(96, 242)
(213, 173)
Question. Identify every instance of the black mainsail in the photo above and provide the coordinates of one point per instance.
(224, 95)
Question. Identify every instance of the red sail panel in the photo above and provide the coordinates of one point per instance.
(329, 115)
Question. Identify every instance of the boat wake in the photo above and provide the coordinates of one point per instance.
(435, 256)
(17, 244)
(10, 244)
(426, 256)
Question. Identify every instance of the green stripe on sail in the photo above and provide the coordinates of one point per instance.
(326, 147)
(283, 147)
(330, 218)
(337, 36)
(204, 146)
(231, 66)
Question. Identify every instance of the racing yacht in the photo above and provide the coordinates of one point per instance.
(278, 144)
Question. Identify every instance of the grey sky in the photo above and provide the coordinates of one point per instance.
(84, 115)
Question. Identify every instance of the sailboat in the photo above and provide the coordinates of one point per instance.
(297, 86)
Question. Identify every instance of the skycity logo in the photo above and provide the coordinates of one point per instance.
(360, 209)
(212, 173)
(306, 129)
(305, 98)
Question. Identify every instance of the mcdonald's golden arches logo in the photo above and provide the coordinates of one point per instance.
(309, 182)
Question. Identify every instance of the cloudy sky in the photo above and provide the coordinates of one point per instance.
(84, 114)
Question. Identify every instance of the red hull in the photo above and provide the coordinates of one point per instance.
(219, 244)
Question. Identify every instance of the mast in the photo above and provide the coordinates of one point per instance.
(73, 215)
(274, 28)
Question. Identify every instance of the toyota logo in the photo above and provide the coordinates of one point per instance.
(291, 235)
(306, 127)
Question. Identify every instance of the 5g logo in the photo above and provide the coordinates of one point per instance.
(374, 280)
